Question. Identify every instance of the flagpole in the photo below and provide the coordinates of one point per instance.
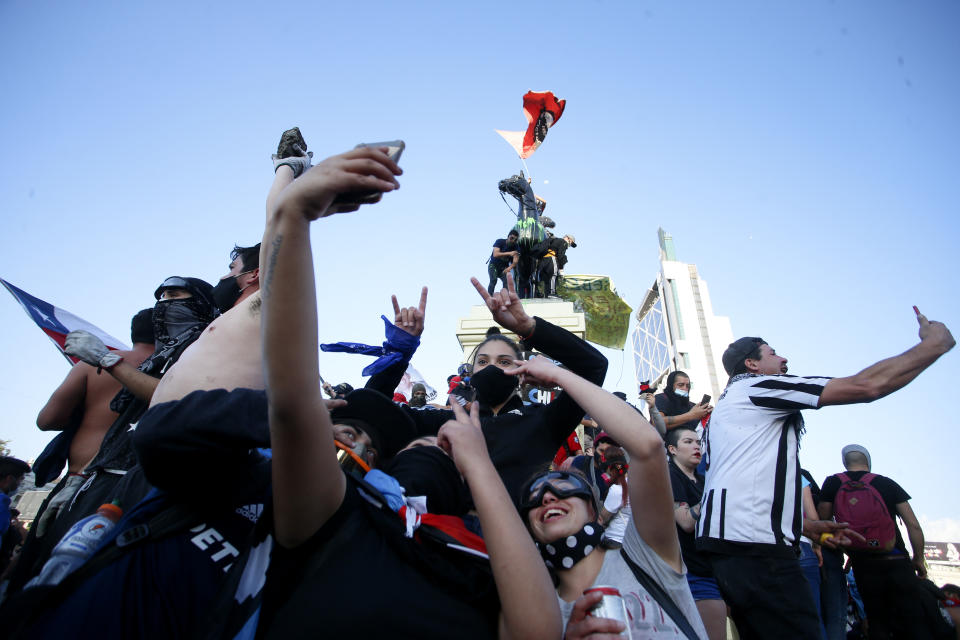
(526, 170)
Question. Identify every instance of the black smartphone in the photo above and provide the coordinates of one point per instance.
(394, 151)
(706, 400)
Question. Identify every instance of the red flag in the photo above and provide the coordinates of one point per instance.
(542, 110)
(56, 322)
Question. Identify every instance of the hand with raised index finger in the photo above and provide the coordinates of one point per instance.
(506, 308)
(538, 371)
(935, 332)
(462, 439)
(410, 319)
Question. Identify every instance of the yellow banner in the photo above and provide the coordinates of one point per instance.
(607, 315)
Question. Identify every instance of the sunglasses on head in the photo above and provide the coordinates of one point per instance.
(561, 484)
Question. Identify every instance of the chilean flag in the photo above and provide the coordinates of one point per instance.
(57, 323)
(542, 110)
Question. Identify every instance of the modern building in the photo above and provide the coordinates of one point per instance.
(677, 330)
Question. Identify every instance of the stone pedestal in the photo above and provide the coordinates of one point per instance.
(472, 329)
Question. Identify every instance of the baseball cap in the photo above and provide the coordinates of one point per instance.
(855, 448)
(737, 351)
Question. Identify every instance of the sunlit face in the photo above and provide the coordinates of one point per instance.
(495, 352)
(556, 518)
(352, 436)
(769, 364)
(175, 293)
(687, 451)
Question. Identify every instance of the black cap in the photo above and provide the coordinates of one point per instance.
(738, 350)
(388, 425)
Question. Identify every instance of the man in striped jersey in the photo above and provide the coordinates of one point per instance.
(750, 519)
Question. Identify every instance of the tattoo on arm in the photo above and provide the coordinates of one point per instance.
(272, 266)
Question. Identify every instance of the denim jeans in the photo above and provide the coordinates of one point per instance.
(811, 571)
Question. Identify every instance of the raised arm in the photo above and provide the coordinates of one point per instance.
(91, 350)
(651, 495)
(411, 320)
(887, 376)
(563, 414)
(61, 409)
(529, 606)
(308, 485)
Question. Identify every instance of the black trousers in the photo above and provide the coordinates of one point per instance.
(768, 596)
(896, 604)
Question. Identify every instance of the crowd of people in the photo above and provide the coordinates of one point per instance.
(255, 507)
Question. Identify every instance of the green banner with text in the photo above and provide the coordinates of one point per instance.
(607, 315)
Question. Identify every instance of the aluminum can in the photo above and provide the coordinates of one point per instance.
(611, 606)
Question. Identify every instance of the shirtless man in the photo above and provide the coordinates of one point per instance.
(83, 398)
(227, 353)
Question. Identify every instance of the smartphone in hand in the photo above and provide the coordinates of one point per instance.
(394, 151)
(706, 400)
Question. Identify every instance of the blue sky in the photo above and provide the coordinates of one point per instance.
(803, 155)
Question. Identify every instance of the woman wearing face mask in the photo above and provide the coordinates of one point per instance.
(351, 572)
(674, 403)
(683, 447)
(521, 438)
(561, 511)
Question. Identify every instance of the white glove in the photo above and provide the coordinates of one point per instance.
(89, 348)
(299, 163)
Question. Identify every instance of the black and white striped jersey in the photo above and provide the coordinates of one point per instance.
(751, 502)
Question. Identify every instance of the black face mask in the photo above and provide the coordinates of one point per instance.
(492, 385)
(418, 401)
(226, 293)
(173, 317)
(428, 471)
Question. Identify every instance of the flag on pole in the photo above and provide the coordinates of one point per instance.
(410, 378)
(542, 110)
(56, 322)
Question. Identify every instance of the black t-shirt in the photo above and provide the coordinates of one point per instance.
(352, 579)
(501, 263)
(891, 493)
(665, 407)
(686, 490)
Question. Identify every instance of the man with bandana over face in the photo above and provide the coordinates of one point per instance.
(227, 354)
(184, 307)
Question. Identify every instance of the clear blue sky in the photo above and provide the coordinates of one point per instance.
(803, 155)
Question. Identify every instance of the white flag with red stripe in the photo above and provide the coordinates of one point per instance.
(56, 322)
(411, 377)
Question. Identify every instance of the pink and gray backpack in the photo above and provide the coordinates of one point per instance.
(861, 505)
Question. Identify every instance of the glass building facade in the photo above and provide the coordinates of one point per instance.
(651, 344)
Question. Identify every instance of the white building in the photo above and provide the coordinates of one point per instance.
(677, 329)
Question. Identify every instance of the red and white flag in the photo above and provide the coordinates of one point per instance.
(56, 322)
(542, 110)
(410, 377)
